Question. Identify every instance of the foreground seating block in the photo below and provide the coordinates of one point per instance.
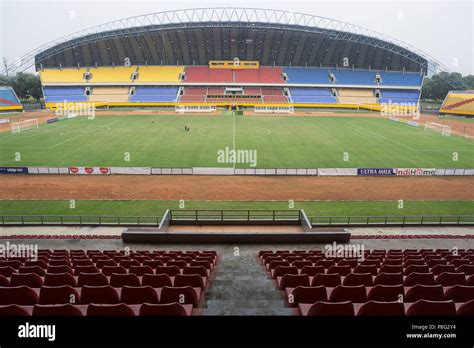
(327, 309)
(138, 295)
(58, 295)
(57, 310)
(120, 309)
(305, 294)
(425, 292)
(13, 309)
(99, 294)
(427, 307)
(20, 295)
(382, 308)
(168, 309)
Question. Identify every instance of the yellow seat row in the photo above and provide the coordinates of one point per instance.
(120, 74)
(456, 102)
(356, 96)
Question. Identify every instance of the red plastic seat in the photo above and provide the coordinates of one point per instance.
(201, 270)
(59, 279)
(32, 269)
(466, 308)
(7, 271)
(438, 269)
(329, 280)
(20, 295)
(343, 293)
(40, 263)
(332, 309)
(427, 307)
(348, 262)
(470, 280)
(118, 280)
(194, 280)
(276, 263)
(353, 279)
(391, 269)
(117, 310)
(425, 292)
(169, 270)
(57, 310)
(92, 279)
(280, 271)
(59, 269)
(28, 279)
(4, 281)
(312, 270)
(180, 264)
(182, 295)
(140, 270)
(341, 270)
(204, 263)
(82, 262)
(153, 263)
(169, 309)
(86, 269)
(108, 270)
(386, 293)
(375, 308)
(301, 263)
(388, 279)
(156, 280)
(466, 269)
(449, 279)
(325, 263)
(14, 310)
(105, 262)
(459, 293)
(11, 263)
(58, 295)
(138, 295)
(364, 268)
(416, 269)
(307, 294)
(293, 280)
(416, 278)
(99, 294)
(59, 262)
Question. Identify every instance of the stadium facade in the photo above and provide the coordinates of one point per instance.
(225, 56)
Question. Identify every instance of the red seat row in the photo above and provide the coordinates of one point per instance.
(106, 294)
(120, 309)
(373, 308)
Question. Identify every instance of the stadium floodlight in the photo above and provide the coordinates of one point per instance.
(18, 127)
(438, 128)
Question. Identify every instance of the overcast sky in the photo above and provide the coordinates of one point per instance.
(443, 29)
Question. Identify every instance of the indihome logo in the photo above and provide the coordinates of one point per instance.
(415, 171)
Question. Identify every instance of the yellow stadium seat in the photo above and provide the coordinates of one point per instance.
(70, 75)
(119, 74)
(109, 94)
(159, 74)
(356, 96)
(459, 103)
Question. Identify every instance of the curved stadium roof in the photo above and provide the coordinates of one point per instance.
(195, 36)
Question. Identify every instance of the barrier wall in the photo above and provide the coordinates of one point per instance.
(241, 171)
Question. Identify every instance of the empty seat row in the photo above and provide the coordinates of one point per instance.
(120, 309)
(24, 295)
(96, 279)
(383, 293)
(315, 276)
(374, 308)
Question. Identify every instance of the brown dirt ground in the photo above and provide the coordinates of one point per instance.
(235, 188)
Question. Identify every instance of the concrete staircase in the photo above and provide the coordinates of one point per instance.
(241, 287)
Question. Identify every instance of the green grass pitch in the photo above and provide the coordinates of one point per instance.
(280, 142)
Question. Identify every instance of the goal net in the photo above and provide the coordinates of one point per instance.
(195, 108)
(18, 127)
(438, 128)
(274, 109)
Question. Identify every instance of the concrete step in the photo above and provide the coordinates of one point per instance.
(235, 294)
(249, 311)
(246, 304)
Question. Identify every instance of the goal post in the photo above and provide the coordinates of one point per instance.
(438, 128)
(18, 127)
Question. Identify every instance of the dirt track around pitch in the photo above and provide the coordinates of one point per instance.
(125, 187)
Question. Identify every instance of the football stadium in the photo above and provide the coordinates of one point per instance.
(237, 166)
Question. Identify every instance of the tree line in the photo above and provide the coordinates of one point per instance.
(28, 86)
